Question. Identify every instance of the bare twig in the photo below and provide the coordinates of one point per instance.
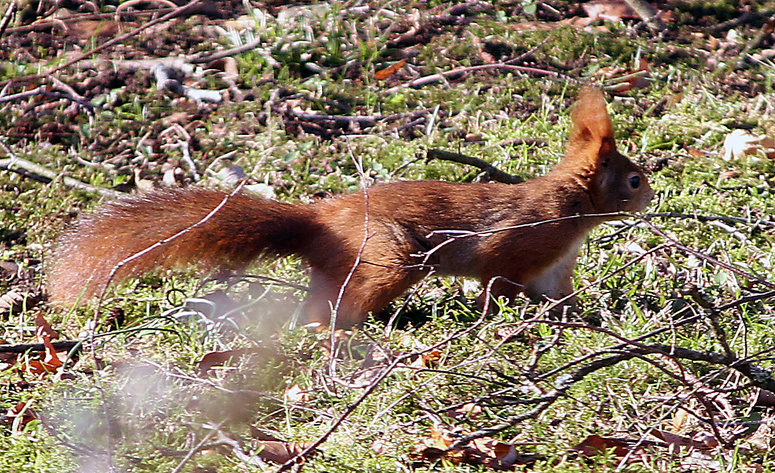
(422, 81)
(711, 218)
(492, 172)
(40, 173)
(207, 57)
(746, 18)
(708, 258)
(193, 450)
(65, 345)
(562, 384)
(164, 81)
(10, 12)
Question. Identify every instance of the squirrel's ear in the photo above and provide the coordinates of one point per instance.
(591, 135)
(590, 120)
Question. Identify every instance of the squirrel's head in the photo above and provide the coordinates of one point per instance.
(614, 183)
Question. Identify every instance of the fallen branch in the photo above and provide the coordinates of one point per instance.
(491, 171)
(164, 81)
(42, 174)
(711, 218)
(178, 11)
(422, 81)
(10, 12)
(65, 92)
(65, 345)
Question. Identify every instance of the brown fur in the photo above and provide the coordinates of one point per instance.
(393, 227)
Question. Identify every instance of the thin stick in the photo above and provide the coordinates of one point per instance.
(421, 81)
(65, 345)
(9, 14)
(42, 174)
(494, 173)
(705, 257)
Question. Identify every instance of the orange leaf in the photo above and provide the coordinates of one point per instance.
(216, 358)
(21, 409)
(595, 445)
(50, 362)
(280, 452)
(383, 74)
(43, 330)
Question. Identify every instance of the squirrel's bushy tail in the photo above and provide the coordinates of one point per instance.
(135, 235)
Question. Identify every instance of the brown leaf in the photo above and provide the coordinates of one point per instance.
(482, 451)
(228, 65)
(50, 363)
(280, 452)
(493, 453)
(27, 414)
(466, 411)
(383, 74)
(43, 330)
(595, 445)
(14, 301)
(764, 398)
(216, 358)
(675, 440)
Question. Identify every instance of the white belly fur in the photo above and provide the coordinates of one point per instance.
(556, 281)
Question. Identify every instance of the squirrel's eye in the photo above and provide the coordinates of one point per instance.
(635, 181)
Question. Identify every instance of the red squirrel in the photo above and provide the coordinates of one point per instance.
(367, 248)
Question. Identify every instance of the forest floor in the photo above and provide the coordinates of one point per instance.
(665, 364)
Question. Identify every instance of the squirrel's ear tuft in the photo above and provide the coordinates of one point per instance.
(590, 120)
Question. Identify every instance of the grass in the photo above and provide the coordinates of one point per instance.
(140, 402)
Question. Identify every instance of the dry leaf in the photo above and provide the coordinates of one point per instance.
(675, 440)
(768, 146)
(611, 10)
(764, 398)
(21, 409)
(431, 359)
(466, 411)
(227, 65)
(723, 176)
(216, 358)
(679, 418)
(695, 153)
(50, 363)
(14, 301)
(279, 452)
(482, 451)
(383, 74)
(627, 79)
(594, 445)
(43, 330)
